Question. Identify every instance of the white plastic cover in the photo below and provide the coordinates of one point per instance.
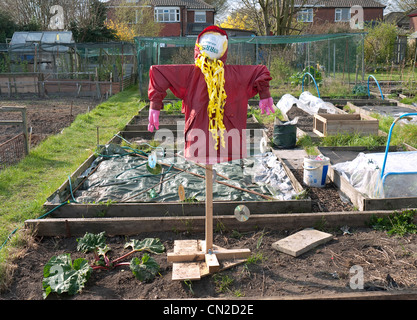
(364, 174)
(306, 102)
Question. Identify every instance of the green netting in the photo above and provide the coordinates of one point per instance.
(331, 53)
(55, 53)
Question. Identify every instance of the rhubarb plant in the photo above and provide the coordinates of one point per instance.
(62, 275)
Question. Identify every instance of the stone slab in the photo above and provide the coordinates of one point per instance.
(301, 242)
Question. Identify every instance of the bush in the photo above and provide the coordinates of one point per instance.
(280, 69)
(379, 43)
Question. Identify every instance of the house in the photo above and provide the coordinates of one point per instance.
(181, 18)
(333, 11)
(400, 19)
(413, 20)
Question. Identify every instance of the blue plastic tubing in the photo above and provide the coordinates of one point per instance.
(369, 93)
(389, 140)
(315, 83)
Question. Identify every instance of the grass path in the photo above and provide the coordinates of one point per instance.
(26, 186)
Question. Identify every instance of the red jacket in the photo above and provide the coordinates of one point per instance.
(187, 83)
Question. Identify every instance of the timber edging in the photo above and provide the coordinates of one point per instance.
(127, 226)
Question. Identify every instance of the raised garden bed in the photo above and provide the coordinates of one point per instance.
(332, 124)
(122, 214)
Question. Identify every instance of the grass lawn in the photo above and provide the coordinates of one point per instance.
(26, 186)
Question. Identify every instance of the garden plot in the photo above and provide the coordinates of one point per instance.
(115, 184)
(356, 171)
(387, 109)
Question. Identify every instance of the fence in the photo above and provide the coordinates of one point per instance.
(12, 151)
(16, 148)
(76, 69)
(334, 54)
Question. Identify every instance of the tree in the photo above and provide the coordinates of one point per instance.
(379, 43)
(138, 18)
(7, 27)
(91, 27)
(237, 20)
(276, 17)
(220, 6)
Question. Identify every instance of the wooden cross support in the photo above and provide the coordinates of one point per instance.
(191, 262)
(193, 259)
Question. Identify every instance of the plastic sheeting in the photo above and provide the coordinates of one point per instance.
(306, 102)
(124, 178)
(364, 174)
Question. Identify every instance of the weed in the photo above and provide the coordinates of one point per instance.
(236, 234)
(399, 223)
(189, 285)
(220, 227)
(223, 282)
(320, 224)
(356, 139)
(255, 258)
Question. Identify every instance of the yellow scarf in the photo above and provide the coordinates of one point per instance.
(213, 72)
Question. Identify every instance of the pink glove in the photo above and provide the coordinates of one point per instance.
(266, 105)
(153, 120)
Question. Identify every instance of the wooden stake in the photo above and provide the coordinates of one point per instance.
(209, 208)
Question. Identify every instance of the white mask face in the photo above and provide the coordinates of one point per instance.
(214, 44)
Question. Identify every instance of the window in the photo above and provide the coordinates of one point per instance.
(169, 14)
(305, 15)
(342, 14)
(200, 16)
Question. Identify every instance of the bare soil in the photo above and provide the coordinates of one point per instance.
(388, 263)
(45, 116)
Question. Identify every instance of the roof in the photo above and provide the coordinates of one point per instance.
(412, 13)
(399, 18)
(339, 3)
(189, 4)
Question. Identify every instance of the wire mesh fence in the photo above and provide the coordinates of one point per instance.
(44, 64)
(12, 151)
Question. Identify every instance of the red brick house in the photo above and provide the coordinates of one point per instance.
(180, 17)
(321, 11)
(413, 20)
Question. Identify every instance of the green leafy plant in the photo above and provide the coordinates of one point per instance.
(297, 78)
(399, 223)
(360, 90)
(173, 108)
(61, 275)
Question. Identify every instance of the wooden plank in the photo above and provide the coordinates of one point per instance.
(182, 271)
(11, 122)
(329, 124)
(132, 226)
(346, 188)
(136, 209)
(212, 263)
(209, 208)
(302, 241)
(186, 246)
(221, 254)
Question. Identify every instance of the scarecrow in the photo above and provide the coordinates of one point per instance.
(214, 99)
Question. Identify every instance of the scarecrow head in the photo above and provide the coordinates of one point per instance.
(212, 42)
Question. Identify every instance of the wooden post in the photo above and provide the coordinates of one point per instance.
(209, 208)
(25, 130)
